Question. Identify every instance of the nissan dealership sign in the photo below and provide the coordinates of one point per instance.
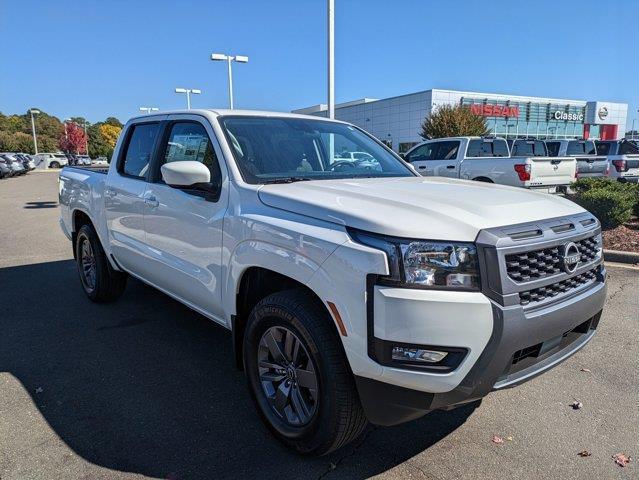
(570, 117)
(488, 110)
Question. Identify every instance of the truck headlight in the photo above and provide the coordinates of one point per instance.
(425, 263)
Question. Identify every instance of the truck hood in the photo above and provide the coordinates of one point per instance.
(416, 207)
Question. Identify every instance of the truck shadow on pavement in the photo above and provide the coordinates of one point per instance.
(147, 386)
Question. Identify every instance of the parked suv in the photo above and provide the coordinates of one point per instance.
(623, 156)
(352, 294)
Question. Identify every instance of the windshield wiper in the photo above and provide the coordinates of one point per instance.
(286, 180)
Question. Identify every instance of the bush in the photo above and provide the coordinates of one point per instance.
(613, 207)
(584, 184)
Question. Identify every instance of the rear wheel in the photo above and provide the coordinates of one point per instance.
(305, 394)
(100, 282)
(54, 165)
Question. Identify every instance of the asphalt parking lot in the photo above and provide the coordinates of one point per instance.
(146, 388)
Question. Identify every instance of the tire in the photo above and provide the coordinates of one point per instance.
(99, 281)
(54, 165)
(333, 416)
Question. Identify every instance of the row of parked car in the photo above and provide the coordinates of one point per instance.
(14, 164)
(549, 165)
(10, 162)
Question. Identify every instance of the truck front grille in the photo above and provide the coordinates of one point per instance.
(554, 289)
(536, 264)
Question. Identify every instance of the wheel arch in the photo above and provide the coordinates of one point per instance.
(483, 179)
(255, 284)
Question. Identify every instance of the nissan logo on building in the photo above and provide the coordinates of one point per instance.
(602, 113)
(570, 257)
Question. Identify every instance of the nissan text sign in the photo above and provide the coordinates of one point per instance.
(489, 110)
(570, 117)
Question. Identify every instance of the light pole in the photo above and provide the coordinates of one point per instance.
(331, 57)
(148, 110)
(218, 57)
(188, 91)
(33, 111)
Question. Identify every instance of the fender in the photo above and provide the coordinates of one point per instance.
(259, 253)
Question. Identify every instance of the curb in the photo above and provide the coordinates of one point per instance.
(621, 257)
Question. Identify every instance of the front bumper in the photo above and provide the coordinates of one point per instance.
(523, 344)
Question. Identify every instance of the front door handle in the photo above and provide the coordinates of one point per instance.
(422, 167)
(152, 202)
(450, 167)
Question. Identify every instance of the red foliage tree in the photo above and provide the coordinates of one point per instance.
(74, 140)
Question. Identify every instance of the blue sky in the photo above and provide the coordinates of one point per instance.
(102, 58)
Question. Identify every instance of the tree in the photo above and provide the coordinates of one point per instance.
(453, 121)
(110, 133)
(74, 140)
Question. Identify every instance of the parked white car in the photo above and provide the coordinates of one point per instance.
(50, 160)
(487, 159)
(589, 163)
(351, 294)
(623, 156)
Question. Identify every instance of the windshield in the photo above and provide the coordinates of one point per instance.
(279, 149)
(580, 147)
(529, 148)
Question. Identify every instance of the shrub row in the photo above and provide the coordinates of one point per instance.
(610, 201)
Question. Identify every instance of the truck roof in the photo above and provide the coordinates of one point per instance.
(216, 112)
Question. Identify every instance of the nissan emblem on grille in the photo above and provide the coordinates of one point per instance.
(570, 257)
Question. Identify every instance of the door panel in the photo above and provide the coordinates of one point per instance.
(184, 229)
(124, 197)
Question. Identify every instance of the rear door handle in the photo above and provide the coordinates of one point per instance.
(450, 167)
(152, 202)
(422, 167)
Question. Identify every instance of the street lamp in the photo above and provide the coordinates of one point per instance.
(188, 92)
(330, 7)
(34, 111)
(219, 57)
(148, 110)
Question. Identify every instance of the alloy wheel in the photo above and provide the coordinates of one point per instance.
(87, 259)
(287, 376)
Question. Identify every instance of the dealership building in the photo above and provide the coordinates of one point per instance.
(397, 120)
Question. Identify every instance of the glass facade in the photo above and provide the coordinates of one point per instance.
(512, 119)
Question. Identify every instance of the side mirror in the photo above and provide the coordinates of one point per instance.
(185, 174)
(403, 155)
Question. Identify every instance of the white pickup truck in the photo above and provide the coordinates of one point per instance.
(353, 294)
(589, 163)
(489, 160)
(623, 156)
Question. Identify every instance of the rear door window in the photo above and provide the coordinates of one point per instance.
(628, 148)
(553, 149)
(577, 147)
(139, 149)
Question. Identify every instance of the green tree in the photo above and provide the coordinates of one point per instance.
(453, 121)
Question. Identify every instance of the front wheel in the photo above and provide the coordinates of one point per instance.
(54, 165)
(305, 394)
(100, 282)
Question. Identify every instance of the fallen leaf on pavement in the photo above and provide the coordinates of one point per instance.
(497, 439)
(509, 438)
(576, 405)
(585, 370)
(39, 390)
(584, 453)
(621, 459)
